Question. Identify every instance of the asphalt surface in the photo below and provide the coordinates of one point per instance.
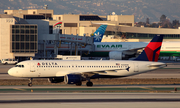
(89, 100)
(80, 97)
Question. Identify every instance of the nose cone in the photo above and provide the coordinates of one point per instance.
(10, 72)
(13, 72)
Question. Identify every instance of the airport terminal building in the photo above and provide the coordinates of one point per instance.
(25, 33)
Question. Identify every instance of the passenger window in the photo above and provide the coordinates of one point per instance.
(19, 65)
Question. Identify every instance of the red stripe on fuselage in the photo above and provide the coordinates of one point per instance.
(150, 48)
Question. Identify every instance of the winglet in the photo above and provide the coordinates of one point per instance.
(98, 34)
(152, 50)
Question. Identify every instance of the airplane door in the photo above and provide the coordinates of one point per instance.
(136, 67)
(32, 68)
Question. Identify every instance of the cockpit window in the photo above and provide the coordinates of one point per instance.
(21, 66)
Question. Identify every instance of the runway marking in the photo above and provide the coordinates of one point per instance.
(19, 89)
(147, 88)
(90, 100)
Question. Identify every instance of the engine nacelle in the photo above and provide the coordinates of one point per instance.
(56, 80)
(72, 79)
(116, 55)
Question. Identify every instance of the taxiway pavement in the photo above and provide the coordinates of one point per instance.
(89, 100)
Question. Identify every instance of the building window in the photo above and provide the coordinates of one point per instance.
(27, 45)
(50, 29)
(34, 12)
(13, 37)
(32, 45)
(17, 26)
(17, 45)
(27, 31)
(26, 26)
(17, 37)
(22, 31)
(22, 37)
(17, 31)
(22, 45)
(27, 37)
(21, 40)
(60, 31)
(59, 18)
(32, 38)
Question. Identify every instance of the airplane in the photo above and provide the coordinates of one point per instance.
(126, 50)
(74, 72)
(119, 50)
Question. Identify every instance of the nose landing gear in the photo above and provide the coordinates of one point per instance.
(30, 82)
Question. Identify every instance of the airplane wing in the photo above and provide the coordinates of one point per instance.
(135, 49)
(88, 72)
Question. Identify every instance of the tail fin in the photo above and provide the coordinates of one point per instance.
(98, 34)
(152, 50)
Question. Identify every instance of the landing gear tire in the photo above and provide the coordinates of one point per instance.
(79, 84)
(89, 84)
(30, 84)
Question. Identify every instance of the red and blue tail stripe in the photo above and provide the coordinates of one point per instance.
(152, 50)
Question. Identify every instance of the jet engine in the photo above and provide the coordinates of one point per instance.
(56, 80)
(73, 79)
(116, 55)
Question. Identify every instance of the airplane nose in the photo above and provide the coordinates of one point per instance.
(10, 72)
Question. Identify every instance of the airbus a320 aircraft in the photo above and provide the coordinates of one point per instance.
(74, 72)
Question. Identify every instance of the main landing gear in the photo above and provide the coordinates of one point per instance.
(79, 84)
(30, 82)
(89, 83)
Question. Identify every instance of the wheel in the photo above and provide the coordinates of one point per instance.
(79, 84)
(30, 84)
(5, 63)
(89, 84)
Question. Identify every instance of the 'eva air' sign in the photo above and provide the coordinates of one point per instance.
(109, 46)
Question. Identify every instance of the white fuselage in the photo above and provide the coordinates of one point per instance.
(122, 46)
(118, 46)
(58, 68)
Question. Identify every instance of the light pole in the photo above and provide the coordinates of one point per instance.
(45, 7)
(19, 13)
